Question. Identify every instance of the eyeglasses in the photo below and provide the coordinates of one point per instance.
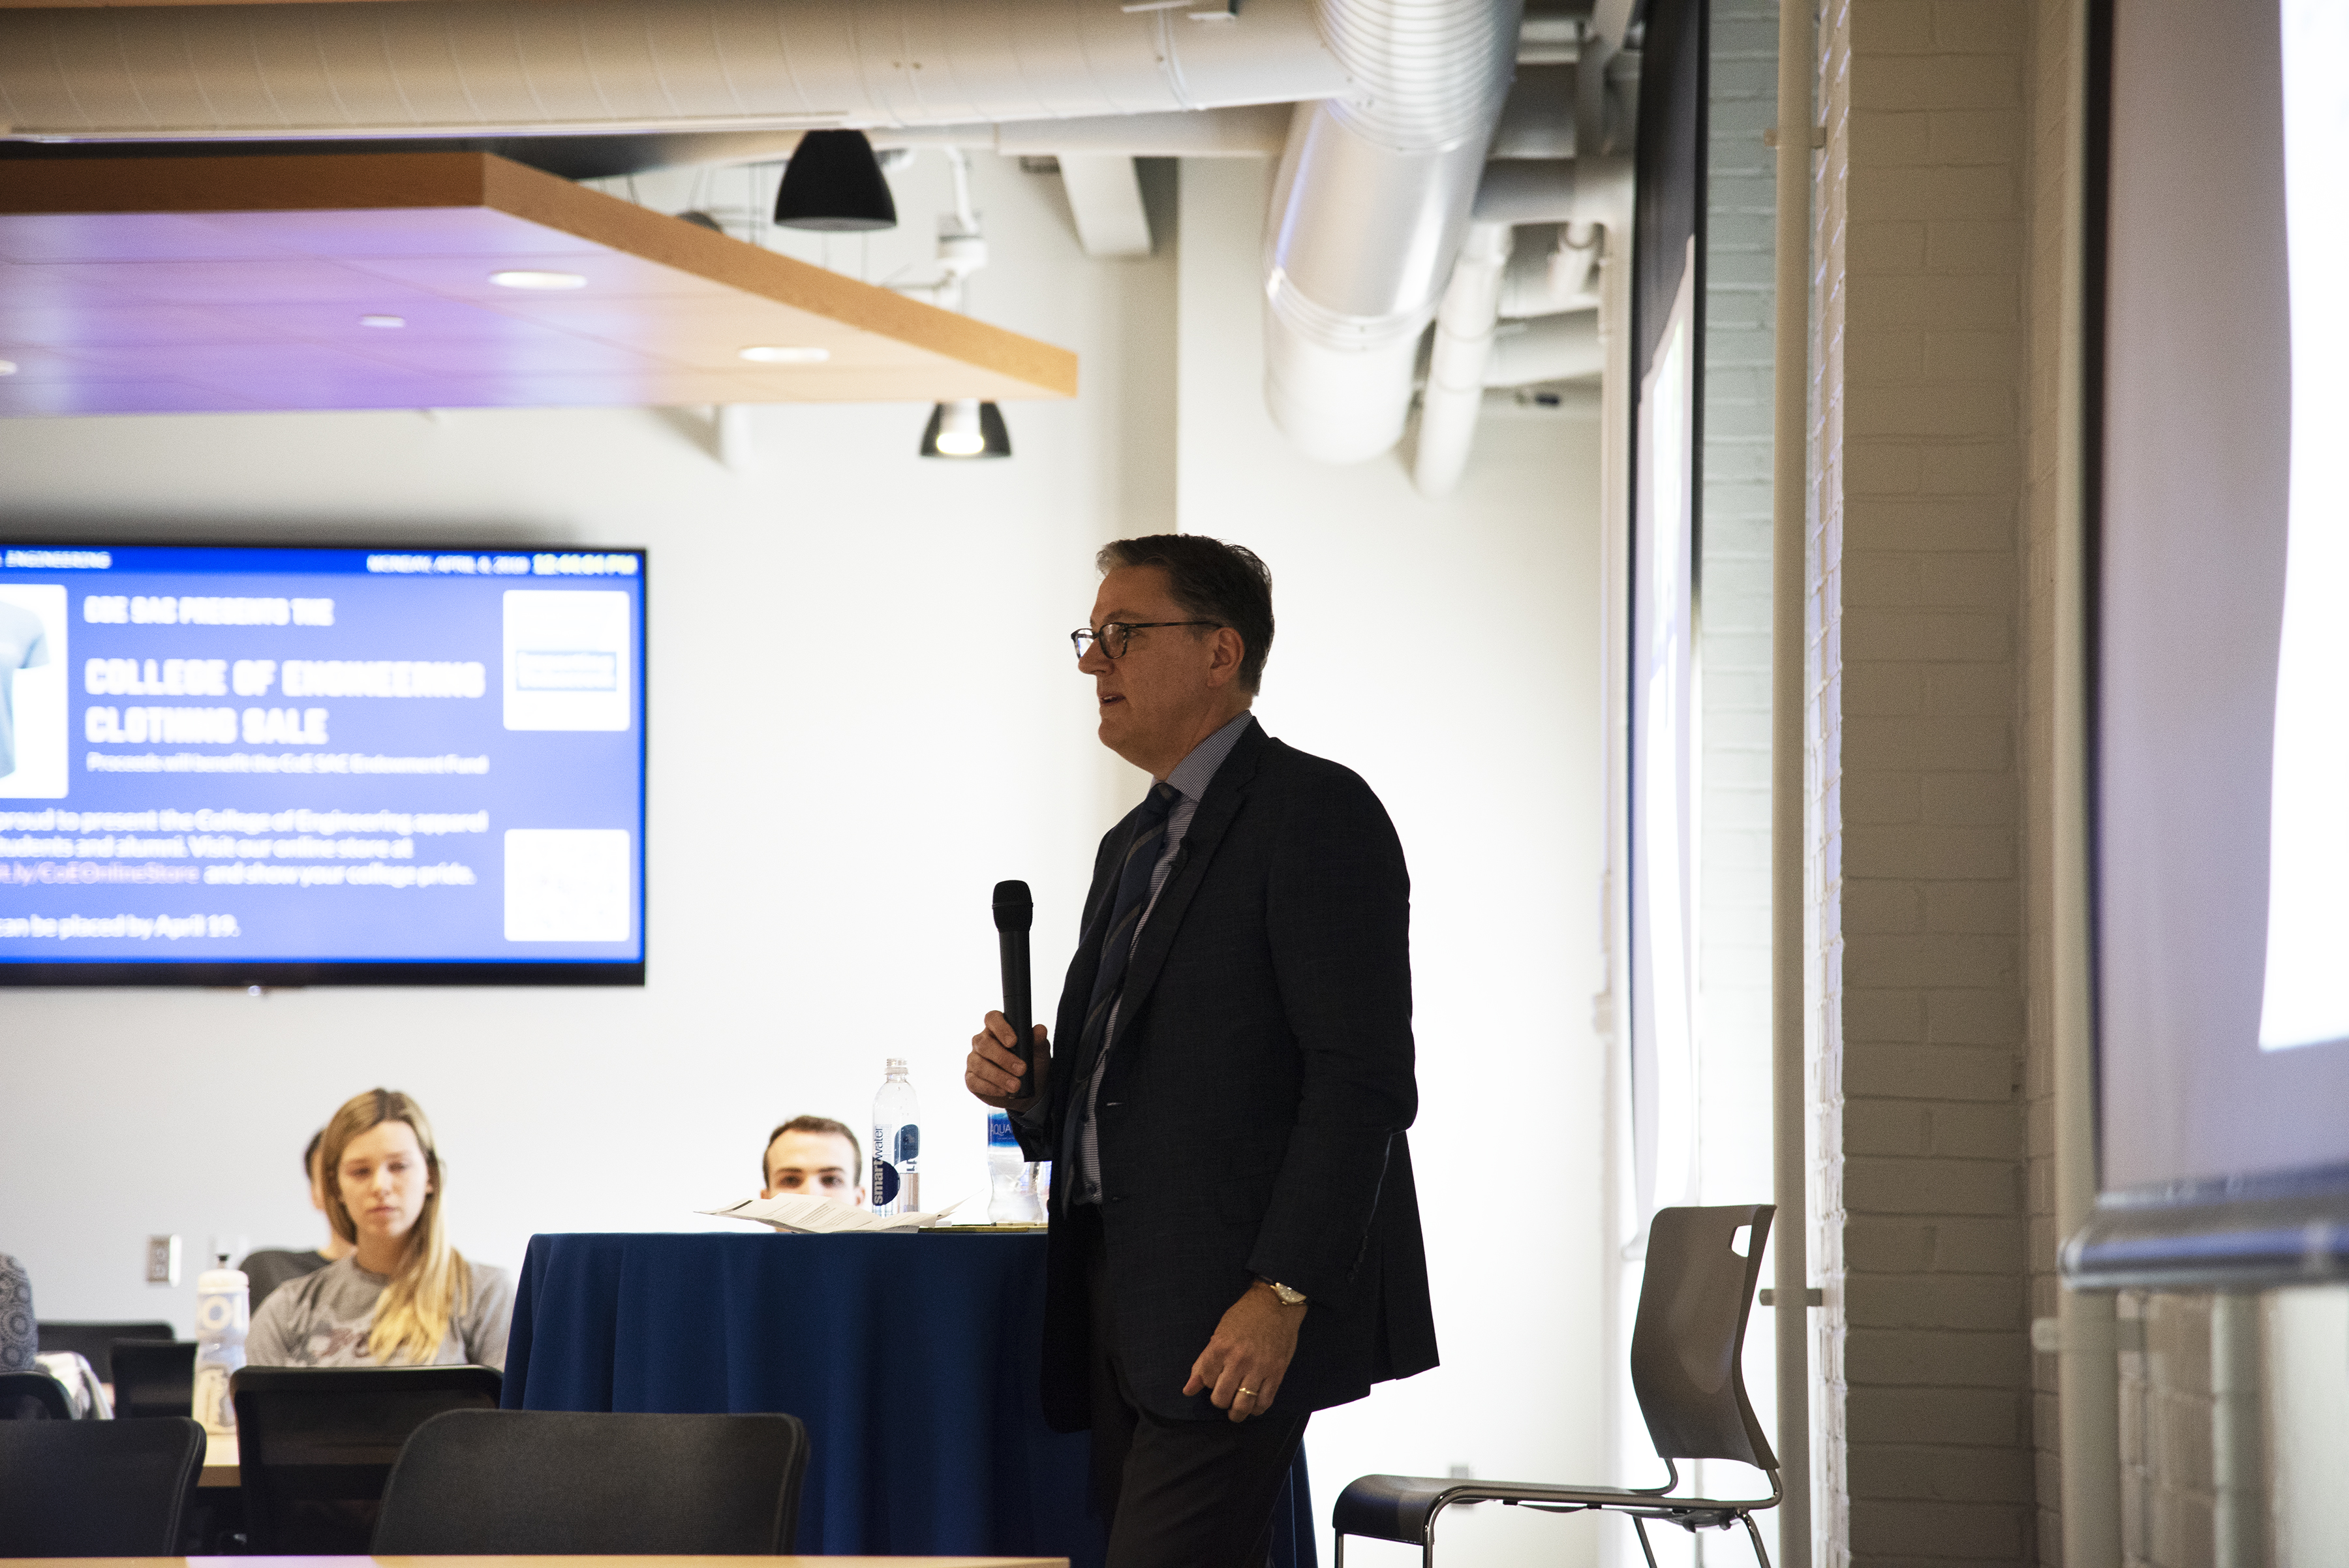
(1116, 635)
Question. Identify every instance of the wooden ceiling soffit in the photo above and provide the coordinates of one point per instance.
(363, 281)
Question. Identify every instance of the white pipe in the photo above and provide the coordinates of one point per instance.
(1456, 363)
(1573, 262)
(1789, 960)
(1368, 208)
(1248, 130)
(1573, 192)
(1545, 280)
(1545, 348)
(538, 67)
(1253, 130)
(965, 216)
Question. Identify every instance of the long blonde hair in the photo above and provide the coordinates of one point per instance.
(433, 1281)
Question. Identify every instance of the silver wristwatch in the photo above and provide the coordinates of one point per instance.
(1287, 1297)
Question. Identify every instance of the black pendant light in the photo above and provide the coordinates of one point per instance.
(834, 183)
(966, 428)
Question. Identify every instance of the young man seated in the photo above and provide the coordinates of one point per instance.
(266, 1270)
(817, 1157)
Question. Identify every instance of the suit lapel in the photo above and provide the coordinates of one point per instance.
(1217, 807)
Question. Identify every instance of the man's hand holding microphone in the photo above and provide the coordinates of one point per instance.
(996, 1074)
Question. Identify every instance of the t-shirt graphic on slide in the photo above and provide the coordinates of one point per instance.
(23, 645)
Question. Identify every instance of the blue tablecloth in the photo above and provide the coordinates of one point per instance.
(913, 1360)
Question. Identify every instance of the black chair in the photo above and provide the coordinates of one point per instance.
(97, 1488)
(96, 1340)
(316, 1444)
(154, 1379)
(33, 1396)
(517, 1482)
(1685, 1348)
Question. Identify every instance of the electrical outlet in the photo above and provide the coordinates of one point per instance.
(162, 1259)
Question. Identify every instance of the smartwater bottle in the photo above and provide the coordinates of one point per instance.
(1006, 1164)
(896, 1145)
(223, 1311)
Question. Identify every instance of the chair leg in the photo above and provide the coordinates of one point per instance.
(1760, 1554)
(1645, 1549)
(1341, 1548)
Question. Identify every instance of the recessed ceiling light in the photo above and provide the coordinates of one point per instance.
(531, 278)
(775, 354)
(383, 321)
(7, 366)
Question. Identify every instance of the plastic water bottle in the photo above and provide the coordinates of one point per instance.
(1006, 1164)
(1036, 1190)
(223, 1312)
(896, 1145)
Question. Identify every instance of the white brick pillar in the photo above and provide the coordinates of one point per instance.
(1921, 1232)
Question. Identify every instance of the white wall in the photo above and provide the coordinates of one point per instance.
(862, 715)
(1448, 652)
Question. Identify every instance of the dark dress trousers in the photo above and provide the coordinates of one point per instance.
(1252, 1116)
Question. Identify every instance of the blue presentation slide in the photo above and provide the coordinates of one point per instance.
(229, 755)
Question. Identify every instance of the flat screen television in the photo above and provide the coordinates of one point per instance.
(250, 766)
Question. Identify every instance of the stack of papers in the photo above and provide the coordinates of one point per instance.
(821, 1216)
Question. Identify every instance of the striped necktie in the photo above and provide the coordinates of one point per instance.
(1142, 854)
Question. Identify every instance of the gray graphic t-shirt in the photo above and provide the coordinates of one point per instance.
(23, 645)
(322, 1320)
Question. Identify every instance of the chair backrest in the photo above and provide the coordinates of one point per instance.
(1691, 1331)
(510, 1482)
(96, 1340)
(154, 1379)
(97, 1488)
(316, 1444)
(33, 1396)
(595, 1484)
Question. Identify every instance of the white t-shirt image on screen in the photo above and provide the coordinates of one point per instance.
(32, 691)
(568, 885)
(568, 656)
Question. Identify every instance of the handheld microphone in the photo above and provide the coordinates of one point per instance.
(1014, 912)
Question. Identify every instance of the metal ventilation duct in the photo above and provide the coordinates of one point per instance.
(515, 67)
(1369, 211)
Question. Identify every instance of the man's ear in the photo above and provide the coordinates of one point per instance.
(1230, 649)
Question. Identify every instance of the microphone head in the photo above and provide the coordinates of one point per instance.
(1014, 910)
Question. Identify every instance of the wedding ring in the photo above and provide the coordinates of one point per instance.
(1249, 1392)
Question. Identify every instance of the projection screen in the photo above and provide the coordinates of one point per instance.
(2219, 527)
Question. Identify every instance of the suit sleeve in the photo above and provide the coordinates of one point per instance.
(1338, 917)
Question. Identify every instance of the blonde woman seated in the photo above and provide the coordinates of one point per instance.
(404, 1297)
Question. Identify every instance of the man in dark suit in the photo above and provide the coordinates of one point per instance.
(1235, 1237)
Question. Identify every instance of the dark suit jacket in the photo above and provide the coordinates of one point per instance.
(1253, 1111)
